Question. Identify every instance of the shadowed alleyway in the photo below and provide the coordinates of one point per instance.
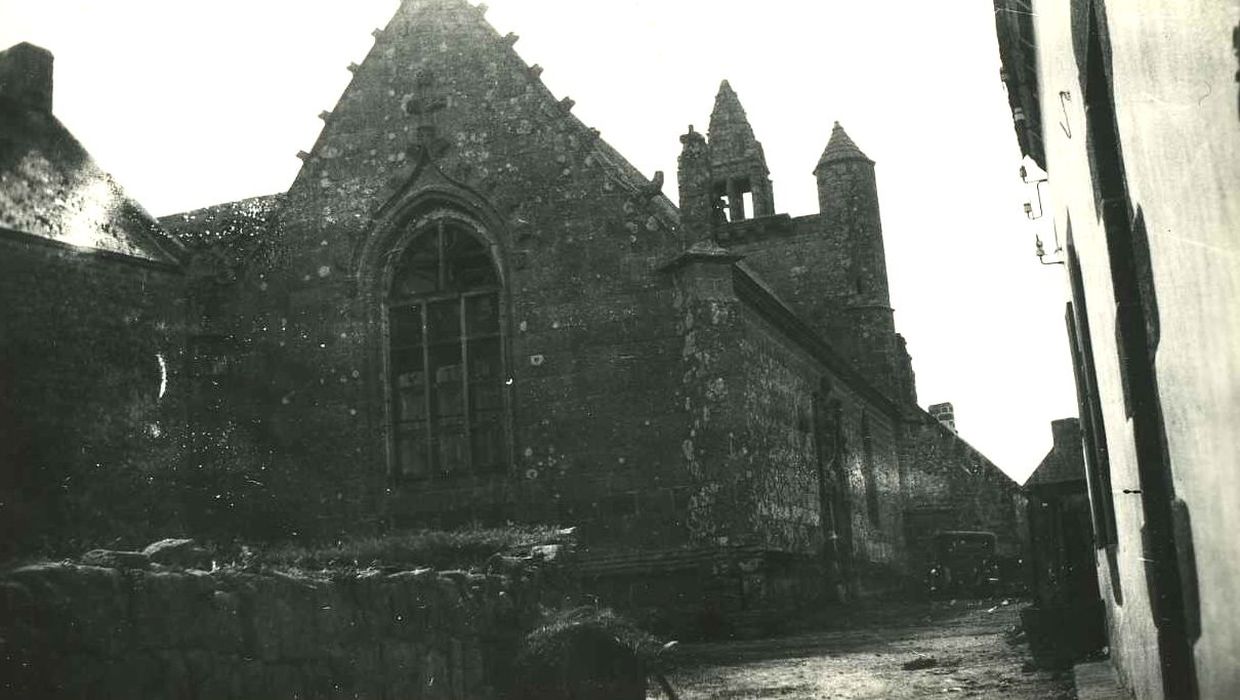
(894, 650)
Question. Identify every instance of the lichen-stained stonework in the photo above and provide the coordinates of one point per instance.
(443, 115)
(711, 327)
(780, 457)
(716, 397)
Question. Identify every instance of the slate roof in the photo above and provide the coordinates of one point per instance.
(1064, 463)
(246, 218)
(984, 462)
(840, 147)
(51, 187)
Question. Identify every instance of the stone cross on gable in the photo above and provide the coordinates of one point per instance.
(425, 102)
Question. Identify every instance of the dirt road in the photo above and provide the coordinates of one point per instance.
(946, 650)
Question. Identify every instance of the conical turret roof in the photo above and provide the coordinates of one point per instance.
(731, 138)
(840, 147)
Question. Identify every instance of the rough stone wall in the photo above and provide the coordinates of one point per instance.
(711, 389)
(92, 391)
(576, 235)
(595, 334)
(780, 456)
(237, 379)
(848, 200)
(750, 386)
(70, 630)
(812, 266)
(948, 485)
(629, 391)
(803, 263)
(876, 489)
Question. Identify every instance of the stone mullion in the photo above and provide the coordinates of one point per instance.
(426, 384)
(465, 416)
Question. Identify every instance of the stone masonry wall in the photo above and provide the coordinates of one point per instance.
(949, 485)
(712, 331)
(91, 395)
(781, 459)
(876, 489)
(238, 379)
(69, 630)
(444, 115)
(805, 263)
(848, 200)
(750, 389)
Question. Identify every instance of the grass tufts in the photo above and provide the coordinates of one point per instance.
(467, 548)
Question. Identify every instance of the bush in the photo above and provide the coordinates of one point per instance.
(585, 652)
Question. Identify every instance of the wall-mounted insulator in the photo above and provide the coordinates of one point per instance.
(510, 38)
(303, 155)
(536, 70)
(567, 103)
(353, 67)
(324, 115)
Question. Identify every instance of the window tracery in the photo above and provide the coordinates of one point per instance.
(446, 355)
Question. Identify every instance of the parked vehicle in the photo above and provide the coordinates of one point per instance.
(964, 564)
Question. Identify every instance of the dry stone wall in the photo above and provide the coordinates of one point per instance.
(74, 630)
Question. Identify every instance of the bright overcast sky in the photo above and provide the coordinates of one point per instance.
(190, 104)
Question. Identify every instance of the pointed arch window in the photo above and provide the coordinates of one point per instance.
(446, 355)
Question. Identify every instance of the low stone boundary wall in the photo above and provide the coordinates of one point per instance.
(73, 630)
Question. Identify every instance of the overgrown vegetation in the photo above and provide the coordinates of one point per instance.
(467, 548)
(548, 640)
(588, 652)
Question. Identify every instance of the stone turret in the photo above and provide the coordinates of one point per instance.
(848, 202)
(737, 163)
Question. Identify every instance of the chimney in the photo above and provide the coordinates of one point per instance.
(1066, 432)
(944, 413)
(26, 76)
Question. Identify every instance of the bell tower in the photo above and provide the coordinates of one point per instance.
(740, 180)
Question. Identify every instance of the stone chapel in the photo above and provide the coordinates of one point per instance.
(469, 308)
